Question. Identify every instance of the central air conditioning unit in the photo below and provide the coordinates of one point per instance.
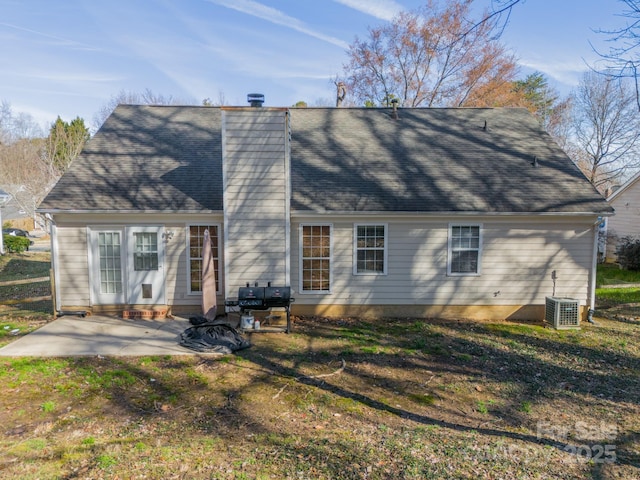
(562, 313)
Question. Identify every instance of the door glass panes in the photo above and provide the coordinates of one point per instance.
(145, 254)
(110, 262)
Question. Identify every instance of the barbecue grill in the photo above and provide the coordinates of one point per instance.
(263, 298)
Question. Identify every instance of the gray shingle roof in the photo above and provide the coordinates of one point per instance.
(147, 158)
(342, 160)
(432, 160)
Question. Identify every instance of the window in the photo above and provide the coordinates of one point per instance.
(110, 262)
(145, 255)
(315, 262)
(196, 241)
(464, 249)
(370, 249)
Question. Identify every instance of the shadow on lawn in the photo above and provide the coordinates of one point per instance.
(575, 372)
(537, 367)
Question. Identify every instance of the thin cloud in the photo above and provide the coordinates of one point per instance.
(566, 72)
(382, 9)
(63, 41)
(277, 17)
(77, 78)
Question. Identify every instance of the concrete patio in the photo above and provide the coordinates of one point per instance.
(101, 335)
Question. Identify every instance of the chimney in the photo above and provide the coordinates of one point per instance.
(255, 99)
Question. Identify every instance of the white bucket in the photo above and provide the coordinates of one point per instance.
(246, 321)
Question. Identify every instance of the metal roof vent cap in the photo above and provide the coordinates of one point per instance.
(394, 113)
(255, 99)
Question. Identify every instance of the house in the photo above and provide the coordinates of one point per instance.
(626, 223)
(374, 212)
(13, 212)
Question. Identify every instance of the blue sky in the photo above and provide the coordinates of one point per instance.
(70, 57)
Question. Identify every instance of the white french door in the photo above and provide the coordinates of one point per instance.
(127, 265)
(145, 259)
(106, 254)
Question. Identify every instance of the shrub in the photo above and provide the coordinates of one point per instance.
(628, 253)
(15, 244)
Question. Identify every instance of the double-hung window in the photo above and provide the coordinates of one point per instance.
(370, 249)
(196, 243)
(315, 258)
(465, 248)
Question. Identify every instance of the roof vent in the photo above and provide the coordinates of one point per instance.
(394, 112)
(255, 99)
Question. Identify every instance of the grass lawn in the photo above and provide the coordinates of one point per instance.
(19, 266)
(338, 399)
(611, 274)
(26, 316)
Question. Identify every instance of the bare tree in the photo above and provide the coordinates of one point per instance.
(25, 173)
(14, 126)
(29, 163)
(558, 123)
(499, 13)
(134, 98)
(623, 58)
(222, 100)
(433, 56)
(5, 122)
(606, 129)
(323, 102)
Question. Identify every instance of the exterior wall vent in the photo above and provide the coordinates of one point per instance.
(562, 313)
(255, 99)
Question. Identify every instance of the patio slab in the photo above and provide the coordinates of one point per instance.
(101, 335)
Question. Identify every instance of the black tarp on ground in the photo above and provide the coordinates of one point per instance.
(212, 337)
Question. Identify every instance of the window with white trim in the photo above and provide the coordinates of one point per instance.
(315, 258)
(196, 243)
(370, 249)
(465, 245)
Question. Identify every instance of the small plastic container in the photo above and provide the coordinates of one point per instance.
(246, 322)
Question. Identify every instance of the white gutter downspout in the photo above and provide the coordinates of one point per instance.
(594, 268)
(287, 206)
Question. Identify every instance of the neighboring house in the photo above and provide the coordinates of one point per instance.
(626, 223)
(13, 215)
(427, 212)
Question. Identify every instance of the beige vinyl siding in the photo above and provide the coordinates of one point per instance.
(256, 196)
(73, 258)
(517, 259)
(72, 279)
(626, 221)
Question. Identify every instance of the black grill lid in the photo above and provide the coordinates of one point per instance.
(254, 293)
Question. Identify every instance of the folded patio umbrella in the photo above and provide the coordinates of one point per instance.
(209, 301)
(210, 338)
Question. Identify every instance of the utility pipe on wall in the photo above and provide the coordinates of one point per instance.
(594, 269)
